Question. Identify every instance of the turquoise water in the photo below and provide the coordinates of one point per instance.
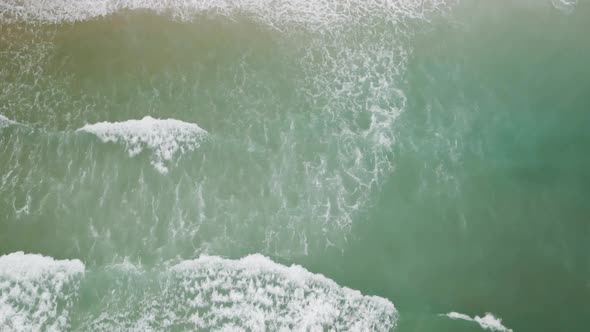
(163, 164)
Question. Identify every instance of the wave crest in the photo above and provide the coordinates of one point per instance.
(252, 293)
(165, 138)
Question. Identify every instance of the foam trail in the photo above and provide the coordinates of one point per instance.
(487, 322)
(37, 292)
(164, 138)
(252, 293)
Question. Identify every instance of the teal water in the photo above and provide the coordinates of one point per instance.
(163, 164)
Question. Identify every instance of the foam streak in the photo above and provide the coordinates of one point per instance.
(487, 322)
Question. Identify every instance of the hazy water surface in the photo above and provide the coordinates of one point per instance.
(164, 164)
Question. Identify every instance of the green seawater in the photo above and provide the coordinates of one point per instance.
(432, 155)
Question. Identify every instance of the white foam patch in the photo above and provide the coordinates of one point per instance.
(165, 138)
(37, 292)
(487, 322)
(257, 293)
(5, 122)
(249, 294)
(566, 6)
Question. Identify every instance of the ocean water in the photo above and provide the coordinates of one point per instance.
(275, 165)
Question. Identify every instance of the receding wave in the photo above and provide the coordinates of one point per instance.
(252, 293)
(487, 322)
(164, 138)
(37, 292)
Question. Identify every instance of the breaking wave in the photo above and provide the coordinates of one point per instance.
(209, 293)
(249, 294)
(165, 138)
(37, 292)
(323, 13)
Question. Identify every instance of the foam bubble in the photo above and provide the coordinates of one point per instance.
(37, 292)
(164, 138)
(252, 293)
(487, 322)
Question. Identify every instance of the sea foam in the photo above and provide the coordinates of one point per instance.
(487, 322)
(248, 294)
(5, 122)
(37, 292)
(165, 138)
